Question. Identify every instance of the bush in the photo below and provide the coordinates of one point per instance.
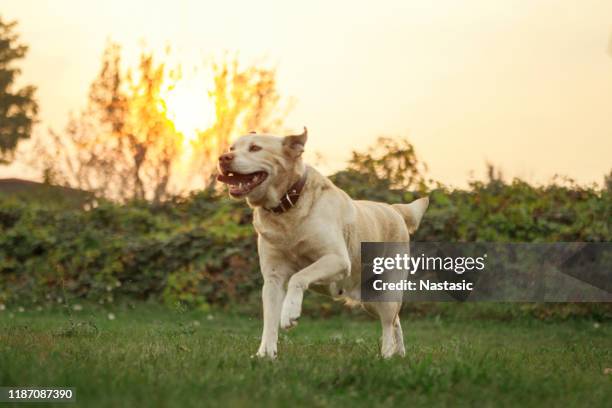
(196, 251)
(201, 250)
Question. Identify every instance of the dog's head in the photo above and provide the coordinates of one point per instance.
(261, 168)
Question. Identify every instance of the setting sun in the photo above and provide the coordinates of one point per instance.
(190, 108)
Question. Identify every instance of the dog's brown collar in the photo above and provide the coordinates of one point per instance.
(290, 198)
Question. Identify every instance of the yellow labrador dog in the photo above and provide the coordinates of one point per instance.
(310, 232)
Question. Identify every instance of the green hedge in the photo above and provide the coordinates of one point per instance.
(197, 251)
(495, 211)
(201, 250)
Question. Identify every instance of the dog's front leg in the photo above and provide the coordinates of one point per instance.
(272, 297)
(329, 267)
(275, 273)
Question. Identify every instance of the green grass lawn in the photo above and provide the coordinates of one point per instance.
(156, 357)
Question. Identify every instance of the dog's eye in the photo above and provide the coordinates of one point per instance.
(232, 148)
(254, 148)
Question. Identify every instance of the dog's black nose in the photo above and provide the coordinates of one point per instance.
(226, 158)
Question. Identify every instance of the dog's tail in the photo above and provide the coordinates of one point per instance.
(413, 212)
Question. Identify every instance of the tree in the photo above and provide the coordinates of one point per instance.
(18, 108)
(388, 171)
(393, 160)
(245, 99)
(124, 146)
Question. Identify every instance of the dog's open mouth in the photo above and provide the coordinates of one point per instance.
(242, 184)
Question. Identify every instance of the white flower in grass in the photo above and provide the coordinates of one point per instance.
(111, 316)
(77, 308)
(2, 307)
(210, 317)
(20, 309)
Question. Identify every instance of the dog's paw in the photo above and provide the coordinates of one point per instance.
(290, 314)
(288, 322)
(265, 352)
(388, 351)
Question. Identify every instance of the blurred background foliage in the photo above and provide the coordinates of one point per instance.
(129, 210)
(200, 250)
(136, 138)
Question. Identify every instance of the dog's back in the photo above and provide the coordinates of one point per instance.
(379, 222)
(388, 222)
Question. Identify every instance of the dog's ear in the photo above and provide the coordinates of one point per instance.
(294, 145)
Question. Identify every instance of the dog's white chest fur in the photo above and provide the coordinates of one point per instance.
(298, 245)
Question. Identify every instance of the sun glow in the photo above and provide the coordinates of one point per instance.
(190, 109)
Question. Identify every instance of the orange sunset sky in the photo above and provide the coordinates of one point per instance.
(526, 85)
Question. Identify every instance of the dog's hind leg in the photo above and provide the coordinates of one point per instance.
(388, 313)
(399, 337)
